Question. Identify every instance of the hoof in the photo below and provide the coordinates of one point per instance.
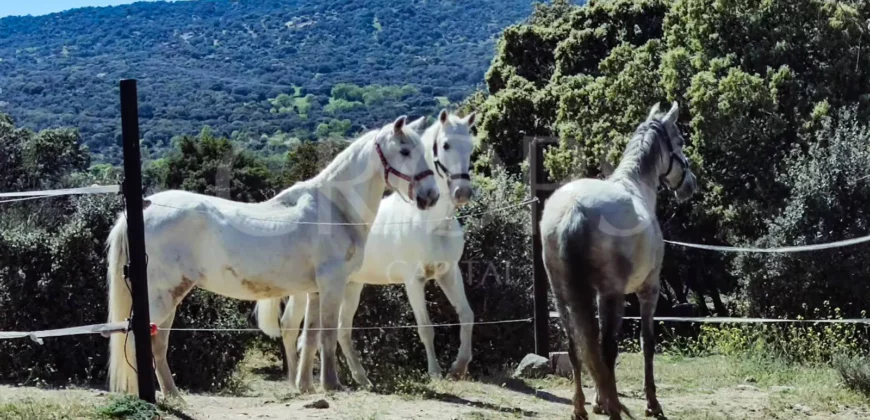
(435, 374)
(305, 388)
(333, 386)
(174, 398)
(580, 415)
(597, 409)
(655, 412)
(458, 371)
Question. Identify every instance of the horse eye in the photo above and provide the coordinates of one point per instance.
(406, 152)
(446, 146)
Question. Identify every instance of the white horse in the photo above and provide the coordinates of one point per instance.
(406, 246)
(287, 245)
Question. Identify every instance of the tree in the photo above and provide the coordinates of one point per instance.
(211, 165)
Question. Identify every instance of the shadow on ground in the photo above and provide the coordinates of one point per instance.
(519, 385)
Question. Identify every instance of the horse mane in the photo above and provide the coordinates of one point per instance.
(643, 152)
(344, 155)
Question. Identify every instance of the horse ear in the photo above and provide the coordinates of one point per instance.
(417, 125)
(673, 114)
(399, 124)
(443, 116)
(653, 111)
(470, 119)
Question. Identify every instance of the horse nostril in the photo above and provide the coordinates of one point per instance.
(422, 202)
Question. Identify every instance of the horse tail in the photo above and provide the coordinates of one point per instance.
(574, 250)
(269, 316)
(122, 356)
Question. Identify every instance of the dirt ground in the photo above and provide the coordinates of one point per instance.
(708, 388)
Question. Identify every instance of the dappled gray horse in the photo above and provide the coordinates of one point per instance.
(601, 239)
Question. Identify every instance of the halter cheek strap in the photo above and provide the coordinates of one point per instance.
(412, 181)
(663, 179)
(441, 168)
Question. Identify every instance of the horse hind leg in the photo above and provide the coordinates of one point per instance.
(610, 312)
(310, 336)
(162, 310)
(294, 313)
(579, 297)
(579, 401)
(159, 348)
(560, 284)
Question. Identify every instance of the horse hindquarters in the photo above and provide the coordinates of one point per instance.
(566, 260)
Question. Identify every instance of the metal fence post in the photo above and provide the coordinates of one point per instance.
(136, 237)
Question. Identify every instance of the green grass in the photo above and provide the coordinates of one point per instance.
(33, 409)
(127, 407)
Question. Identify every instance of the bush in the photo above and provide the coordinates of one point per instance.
(56, 278)
(827, 202)
(855, 372)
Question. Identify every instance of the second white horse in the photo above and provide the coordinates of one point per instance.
(405, 246)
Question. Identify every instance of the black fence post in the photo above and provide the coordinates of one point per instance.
(540, 189)
(136, 237)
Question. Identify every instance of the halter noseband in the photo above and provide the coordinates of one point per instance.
(683, 163)
(388, 169)
(440, 167)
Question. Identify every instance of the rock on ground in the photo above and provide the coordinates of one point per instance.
(533, 366)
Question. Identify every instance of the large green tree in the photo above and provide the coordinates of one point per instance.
(211, 165)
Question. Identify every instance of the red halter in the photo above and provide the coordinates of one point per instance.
(388, 169)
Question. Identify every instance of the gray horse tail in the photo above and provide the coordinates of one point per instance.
(580, 296)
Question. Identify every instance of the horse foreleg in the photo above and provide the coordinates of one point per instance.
(345, 333)
(292, 317)
(305, 373)
(454, 288)
(331, 295)
(415, 287)
(649, 297)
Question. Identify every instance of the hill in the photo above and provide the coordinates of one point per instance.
(303, 68)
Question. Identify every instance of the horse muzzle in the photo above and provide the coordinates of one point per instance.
(427, 200)
(462, 195)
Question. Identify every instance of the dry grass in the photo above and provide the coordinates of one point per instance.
(715, 387)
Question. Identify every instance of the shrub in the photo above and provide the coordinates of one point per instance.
(855, 372)
(827, 202)
(792, 343)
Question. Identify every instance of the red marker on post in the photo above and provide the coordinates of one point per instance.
(153, 329)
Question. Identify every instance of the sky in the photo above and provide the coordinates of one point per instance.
(42, 7)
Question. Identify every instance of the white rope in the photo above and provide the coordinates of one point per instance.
(94, 189)
(728, 320)
(122, 327)
(389, 327)
(439, 220)
(785, 249)
(37, 336)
